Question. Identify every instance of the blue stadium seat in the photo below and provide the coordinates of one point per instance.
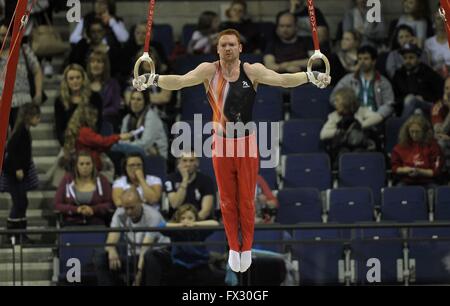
(184, 64)
(363, 170)
(188, 30)
(307, 170)
(270, 176)
(383, 244)
(431, 257)
(268, 104)
(267, 30)
(270, 240)
(194, 101)
(310, 102)
(88, 242)
(251, 58)
(392, 128)
(301, 136)
(442, 203)
(318, 259)
(163, 34)
(404, 204)
(349, 205)
(155, 165)
(206, 167)
(219, 242)
(299, 205)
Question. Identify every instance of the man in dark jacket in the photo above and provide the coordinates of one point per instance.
(416, 86)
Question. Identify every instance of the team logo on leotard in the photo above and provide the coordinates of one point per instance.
(245, 84)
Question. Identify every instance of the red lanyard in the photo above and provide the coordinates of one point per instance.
(149, 26)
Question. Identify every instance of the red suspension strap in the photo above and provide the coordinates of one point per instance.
(317, 54)
(444, 11)
(146, 57)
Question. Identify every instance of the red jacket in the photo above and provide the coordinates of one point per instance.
(94, 143)
(66, 203)
(420, 156)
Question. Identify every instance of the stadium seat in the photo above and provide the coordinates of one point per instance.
(270, 176)
(219, 242)
(404, 204)
(430, 259)
(194, 101)
(206, 167)
(301, 136)
(268, 104)
(392, 128)
(163, 34)
(349, 205)
(310, 102)
(270, 240)
(363, 170)
(188, 30)
(307, 170)
(184, 64)
(299, 205)
(442, 203)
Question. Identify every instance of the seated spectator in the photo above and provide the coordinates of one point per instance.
(96, 41)
(345, 60)
(347, 128)
(149, 187)
(104, 10)
(135, 45)
(28, 85)
(238, 20)
(403, 35)
(436, 48)
(84, 197)
(415, 14)
(153, 141)
(266, 204)
(416, 86)
(112, 263)
(300, 10)
(188, 185)
(417, 158)
(355, 20)
(185, 264)
(99, 73)
(288, 52)
(371, 88)
(81, 135)
(204, 39)
(440, 118)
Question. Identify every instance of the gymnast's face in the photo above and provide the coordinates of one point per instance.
(229, 48)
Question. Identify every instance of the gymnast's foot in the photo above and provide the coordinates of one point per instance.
(246, 260)
(234, 261)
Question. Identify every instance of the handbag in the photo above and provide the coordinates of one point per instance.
(46, 41)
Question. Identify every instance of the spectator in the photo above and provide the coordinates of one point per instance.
(415, 14)
(104, 10)
(345, 60)
(188, 185)
(436, 48)
(19, 174)
(416, 86)
(266, 203)
(238, 20)
(99, 73)
(204, 38)
(135, 45)
(96, 41)
(355, 19)
(149, 187)
(153, 141)
(185, 264)
(29, 78)
(112, 264)
(403, 35)
(371, 88)
(81, 135)
(417, 158)
(440, 118)
(347, 128)
(75, 90)
(84, 197)
(300, 10)
(288, 52)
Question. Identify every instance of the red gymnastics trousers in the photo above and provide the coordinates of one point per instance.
(236, 164)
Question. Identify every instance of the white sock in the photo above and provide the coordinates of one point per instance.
(234, 260)
(246, 260)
